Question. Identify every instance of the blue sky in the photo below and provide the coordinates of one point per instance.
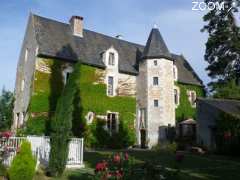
(179, 25)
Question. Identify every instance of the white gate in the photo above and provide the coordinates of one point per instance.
(41, 149)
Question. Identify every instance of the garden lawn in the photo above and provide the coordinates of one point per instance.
(193, 167)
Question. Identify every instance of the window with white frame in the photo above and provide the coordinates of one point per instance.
(110, 91)
(176, 97)
(175, 72)
(26, 55)
(155, 81)
(111, 59)
(22, 85)
(112, 122)
(192, 96)
(155, 102)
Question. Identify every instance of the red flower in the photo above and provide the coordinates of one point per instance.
(126, 156)
(116, 158)
(102, 166)
(6, 134)
(119, 174)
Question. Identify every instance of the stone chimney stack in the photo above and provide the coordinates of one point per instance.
(76, 23)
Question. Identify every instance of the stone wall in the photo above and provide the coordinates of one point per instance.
(25, 71)
(126, 84)
(158, 118)
(206, 118)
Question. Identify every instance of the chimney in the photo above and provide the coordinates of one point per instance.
(76, 23)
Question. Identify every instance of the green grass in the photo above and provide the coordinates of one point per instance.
(194, 167)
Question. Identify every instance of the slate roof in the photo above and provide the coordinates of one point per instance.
(55, 39)
(156, 47)
(226, 105)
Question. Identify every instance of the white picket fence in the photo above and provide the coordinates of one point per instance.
(41, 149)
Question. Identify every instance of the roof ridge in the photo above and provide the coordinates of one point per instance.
(57, 21)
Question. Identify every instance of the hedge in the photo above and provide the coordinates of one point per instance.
(23, 165)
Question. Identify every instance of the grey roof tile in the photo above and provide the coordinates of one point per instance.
(55, 39)
(156, 47)
(226, 105)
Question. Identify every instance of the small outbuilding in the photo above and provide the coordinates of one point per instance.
(217, 120)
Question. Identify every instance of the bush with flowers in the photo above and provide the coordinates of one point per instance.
(5, 151)
(118, 166)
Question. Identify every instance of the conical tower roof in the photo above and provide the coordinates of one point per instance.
(156, 47)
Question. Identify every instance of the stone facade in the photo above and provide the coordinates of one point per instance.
(24, 76)
(160, 117)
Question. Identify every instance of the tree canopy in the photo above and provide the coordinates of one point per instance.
(223, 45)
(6, 107)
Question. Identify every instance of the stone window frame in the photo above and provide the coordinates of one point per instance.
(66, 73)
(111, 59)
(156, 103)
(110, 125)
(142, 118)
(105, 55)
(192, 96)
(155, 81)
(22, 84)
(155, 62)
(110, 90)
(26, 55)
(175, 73)
(176, 93)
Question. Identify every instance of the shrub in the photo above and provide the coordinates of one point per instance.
(23, 165)
(166, 146)
(117, 166)
(61, 127)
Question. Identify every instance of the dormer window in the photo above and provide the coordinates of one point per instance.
(175, 72)
(111, 59)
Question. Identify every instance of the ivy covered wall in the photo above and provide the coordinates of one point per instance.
(185, 110)
(93, 99)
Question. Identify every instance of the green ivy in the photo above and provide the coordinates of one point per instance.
(185, 110)
(94, 98)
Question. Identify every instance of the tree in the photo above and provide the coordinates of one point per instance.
(6, 107)
(223, 45)
(229, 90)
(61, 127)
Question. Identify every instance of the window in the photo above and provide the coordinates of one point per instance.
(22, 85)
(142, 119)
(66, 74)
(110, 86)
(155, 103)
(176, 97)
(155, 81)
(111, 59)
(26, 55)
(192, 98)
(112, 122)
(155, 62)
(175, 73)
